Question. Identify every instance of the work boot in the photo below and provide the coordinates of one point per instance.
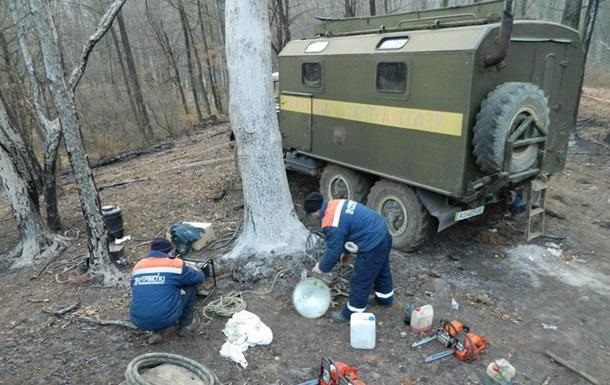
(338, 317)
(373, 301)
(185, 330)
(155, 338)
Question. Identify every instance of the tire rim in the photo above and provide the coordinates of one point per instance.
(521, 153)
(338, 188)
(395, 214)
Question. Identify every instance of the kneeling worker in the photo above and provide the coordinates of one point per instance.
(345, 220)
(164, 290)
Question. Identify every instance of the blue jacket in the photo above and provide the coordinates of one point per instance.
(155, 286)
(344, 220)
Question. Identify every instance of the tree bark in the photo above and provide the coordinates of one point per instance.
(168, 52)
(37, 242)
(211, 69)
(571, 13)
(270, 226)
(189, 59)
(143, 119)
(350, 8)
(126, 78)
(63, 98)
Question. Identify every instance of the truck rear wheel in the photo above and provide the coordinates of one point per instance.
(338, 182)
(406, 217)
(502, 112)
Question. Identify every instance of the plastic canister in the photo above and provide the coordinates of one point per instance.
(421, 319)
(362, 330)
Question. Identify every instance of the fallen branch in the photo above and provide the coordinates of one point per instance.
(123, 182)
(65, 310)
(569, 365)
(132, 153)
(103, 322)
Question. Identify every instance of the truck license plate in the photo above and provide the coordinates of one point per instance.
(461, 215)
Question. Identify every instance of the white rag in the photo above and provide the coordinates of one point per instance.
(243, 330)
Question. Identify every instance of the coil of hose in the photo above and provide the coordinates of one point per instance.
(150, 360)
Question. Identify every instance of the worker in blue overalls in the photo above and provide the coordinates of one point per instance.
(345, 220)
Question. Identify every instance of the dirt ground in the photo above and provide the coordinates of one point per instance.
(551, 294)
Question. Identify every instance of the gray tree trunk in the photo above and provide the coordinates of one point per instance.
(210, 68)
(372, 7)
(63, 98)
(189, 59)
(270, 226)
(37, 242)
(571, 13)
(168, 52)
(143, 119)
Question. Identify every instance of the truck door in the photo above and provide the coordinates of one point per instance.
(295, 119)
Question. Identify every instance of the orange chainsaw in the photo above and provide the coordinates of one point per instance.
(335, 373)
(459, 340)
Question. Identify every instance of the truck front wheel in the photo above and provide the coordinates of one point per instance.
(407, 219)
(338, 182)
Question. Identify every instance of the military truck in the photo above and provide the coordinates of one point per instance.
(431, 114)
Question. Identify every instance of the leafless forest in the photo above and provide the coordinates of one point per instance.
(160, 70)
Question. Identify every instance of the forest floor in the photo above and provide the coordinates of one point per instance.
(550, 294)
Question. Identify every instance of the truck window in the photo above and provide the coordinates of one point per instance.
(390, 43)
(311, 74)
(392, 77)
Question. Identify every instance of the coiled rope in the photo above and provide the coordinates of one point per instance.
(233, 302)
(150, 360)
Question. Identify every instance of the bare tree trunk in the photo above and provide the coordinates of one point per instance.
(270, 227)
(63, 98)
(211, 70)
(587, 34)
(166, 47)
(189, 59)
(445, 3)
(37, 242)
(143, 119)
(350, 8)
(571, 13)
(521, 8)
(52, 129)
(126, 79)
(372, 7)
(204, 92)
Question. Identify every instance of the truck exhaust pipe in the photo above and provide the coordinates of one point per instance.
(506, 29)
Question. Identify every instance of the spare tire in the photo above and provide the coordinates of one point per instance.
(502, 111)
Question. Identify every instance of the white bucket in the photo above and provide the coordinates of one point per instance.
(362, 330)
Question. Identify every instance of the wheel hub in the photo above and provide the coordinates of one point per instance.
(339, 189)
(395, 215)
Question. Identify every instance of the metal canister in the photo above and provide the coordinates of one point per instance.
(408, 309)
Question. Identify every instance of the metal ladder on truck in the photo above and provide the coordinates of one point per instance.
(536, 194)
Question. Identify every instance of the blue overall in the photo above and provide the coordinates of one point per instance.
(343, 221)
(164, 291)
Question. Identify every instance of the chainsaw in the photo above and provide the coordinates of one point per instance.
(335, 373)
(457, 338)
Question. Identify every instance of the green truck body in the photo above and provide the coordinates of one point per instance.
(397, 97)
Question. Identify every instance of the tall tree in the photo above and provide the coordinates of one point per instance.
(211, 70)
(143, 119)
(372, 7)
(37, 243)
(270, 226)
(350, 8)
(168, 52)
(571, 13)
(63, 99)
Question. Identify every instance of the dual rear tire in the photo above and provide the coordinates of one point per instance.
(408, 220)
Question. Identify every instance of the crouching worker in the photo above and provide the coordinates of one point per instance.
(344, 220)
(164, 290)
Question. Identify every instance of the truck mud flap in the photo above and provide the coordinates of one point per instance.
(438, 206)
